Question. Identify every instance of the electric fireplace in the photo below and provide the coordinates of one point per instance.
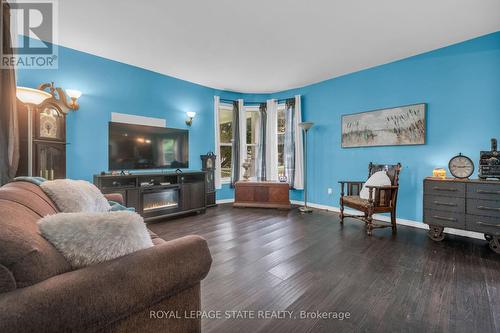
(159, 201)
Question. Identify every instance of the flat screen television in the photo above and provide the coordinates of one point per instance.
(147, 147)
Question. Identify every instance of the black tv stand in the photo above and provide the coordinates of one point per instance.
(158, 195)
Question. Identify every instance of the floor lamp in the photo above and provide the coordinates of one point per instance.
(305, 127)
(31, 98)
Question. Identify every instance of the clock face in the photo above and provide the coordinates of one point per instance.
(461, 166)
(49, 123)
(48, 126)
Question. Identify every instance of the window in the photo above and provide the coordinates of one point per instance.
(226, 136)
(253, 128)
(281, 140)
(253, 125)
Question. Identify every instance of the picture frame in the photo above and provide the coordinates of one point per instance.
(395, 126)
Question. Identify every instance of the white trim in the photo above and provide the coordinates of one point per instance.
(409, 223)
(226, 106)
(137, 120)
(223, 201)
(252, 108)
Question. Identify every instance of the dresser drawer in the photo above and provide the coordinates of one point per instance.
(448, 204)
(444, 188)
(484, 191)
(489, 225)
(483, 207)
(444, 219)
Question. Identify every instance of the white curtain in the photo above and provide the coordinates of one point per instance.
(272, 140)
(217, 143)
(299, 147)
(243, 135)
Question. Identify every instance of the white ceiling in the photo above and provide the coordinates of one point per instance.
(268, 45)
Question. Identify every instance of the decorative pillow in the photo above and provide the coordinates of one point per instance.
(75, 196)
(379, 178)
(90, 238)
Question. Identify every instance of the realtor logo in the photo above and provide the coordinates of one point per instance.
(32, 32)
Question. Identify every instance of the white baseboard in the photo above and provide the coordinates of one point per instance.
(409, 223)
(223, 201)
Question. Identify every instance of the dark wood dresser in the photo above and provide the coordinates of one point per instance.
(264, 194)
(472, 205)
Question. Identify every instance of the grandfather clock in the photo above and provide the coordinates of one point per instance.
(47, 135)
(42, 129)
(208, 165)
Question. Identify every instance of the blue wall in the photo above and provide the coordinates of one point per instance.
(460, 83)
(109, 86)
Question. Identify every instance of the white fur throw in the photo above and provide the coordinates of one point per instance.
(74, 196)
(90, 238)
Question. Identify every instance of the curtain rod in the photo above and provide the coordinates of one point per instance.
(279, 101)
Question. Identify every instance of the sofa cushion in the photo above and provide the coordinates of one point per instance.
(23, 251)
(74, 196)
(90, 238)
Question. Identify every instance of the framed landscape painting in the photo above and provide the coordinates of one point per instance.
(403, 125)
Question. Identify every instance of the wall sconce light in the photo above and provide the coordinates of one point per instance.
(59, 97)
(74, 95)
(190, 115)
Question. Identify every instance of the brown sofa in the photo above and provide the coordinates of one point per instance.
(40, 293)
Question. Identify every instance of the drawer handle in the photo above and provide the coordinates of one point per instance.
(444, 218)
(445, 204)
(489, 208)
(488, 224)
(488, 192)
(444, 189)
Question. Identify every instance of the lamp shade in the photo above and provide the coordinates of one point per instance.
(73, 93)
(306, 125)
(191, 114)
(31, 96)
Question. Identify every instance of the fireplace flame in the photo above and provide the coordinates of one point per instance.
(159, 204)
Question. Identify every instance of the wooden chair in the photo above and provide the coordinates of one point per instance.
(382, 199)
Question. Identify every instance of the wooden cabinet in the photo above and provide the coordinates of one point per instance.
(158, 195)
(262, 194)
(472, 205)
(193, 195)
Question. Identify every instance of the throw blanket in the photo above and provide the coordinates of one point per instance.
(34, 180)
(75, 196)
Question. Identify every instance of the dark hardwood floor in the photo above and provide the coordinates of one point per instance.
(284, 261)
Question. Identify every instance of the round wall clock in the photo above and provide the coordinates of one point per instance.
(461, 166)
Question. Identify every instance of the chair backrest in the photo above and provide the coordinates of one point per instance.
(386, 198)
(391, 169)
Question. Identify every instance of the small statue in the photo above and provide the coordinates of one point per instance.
(246, 166)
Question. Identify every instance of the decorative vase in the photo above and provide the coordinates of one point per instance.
(246, 166)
